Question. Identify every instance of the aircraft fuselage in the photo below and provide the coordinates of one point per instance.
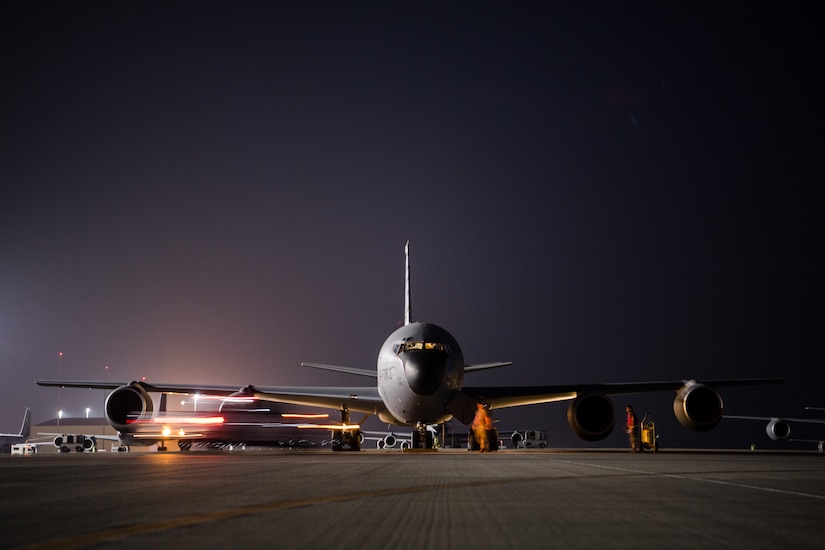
(420, 366)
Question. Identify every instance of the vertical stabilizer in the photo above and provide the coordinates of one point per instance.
(26, 428)
(407, 304)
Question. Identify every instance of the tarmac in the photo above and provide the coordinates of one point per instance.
(393, 499)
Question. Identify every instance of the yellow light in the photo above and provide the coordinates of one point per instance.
(181, 433)
(166, 431)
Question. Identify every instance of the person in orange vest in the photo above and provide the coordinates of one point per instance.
(632, 428)
(481, 428)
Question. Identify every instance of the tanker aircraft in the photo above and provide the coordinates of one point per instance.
(419, 381)
(779, 428)
(7, 440)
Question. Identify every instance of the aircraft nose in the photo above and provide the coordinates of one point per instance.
(425, 371)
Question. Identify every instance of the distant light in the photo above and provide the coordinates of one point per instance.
(60, 413)
(297, 415)
(166, 431)
(87, 412)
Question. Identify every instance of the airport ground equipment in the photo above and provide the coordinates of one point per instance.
(23, 449)
(650, 439)
(68, 442)
(529, 439)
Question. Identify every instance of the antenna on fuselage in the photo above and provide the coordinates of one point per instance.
(407, 304)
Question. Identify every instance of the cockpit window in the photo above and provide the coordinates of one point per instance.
(421, 346)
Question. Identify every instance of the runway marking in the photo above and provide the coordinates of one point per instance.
(690, 478)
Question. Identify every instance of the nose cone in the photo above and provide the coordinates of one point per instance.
(425, 371)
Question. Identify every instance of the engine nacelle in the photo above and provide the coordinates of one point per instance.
(778, 429)
(126, 404)
(591, 416)
(698, 407)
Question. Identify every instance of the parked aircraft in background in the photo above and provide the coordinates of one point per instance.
(419, 381)
(7, 440)
(780, 428)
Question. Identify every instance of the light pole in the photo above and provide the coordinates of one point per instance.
(59, 377)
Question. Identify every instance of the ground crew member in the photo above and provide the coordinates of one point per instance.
(481, 428)
(632, 428)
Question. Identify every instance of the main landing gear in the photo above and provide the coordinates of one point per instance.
(346, 440)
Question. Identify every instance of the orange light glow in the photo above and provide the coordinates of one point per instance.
(189, 420)
(162, 435)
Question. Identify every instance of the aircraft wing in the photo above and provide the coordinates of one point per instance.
(502, 397)
(367, 400)
(358, 399)
(485, 366)
(769, 418)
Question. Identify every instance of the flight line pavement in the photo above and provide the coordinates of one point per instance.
(393, 499)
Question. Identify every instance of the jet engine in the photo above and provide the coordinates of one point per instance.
(698, 407)
(389, 441)
(127, 403)
(591, 416)
(778, 429)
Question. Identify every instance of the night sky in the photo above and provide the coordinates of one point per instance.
(213, 192)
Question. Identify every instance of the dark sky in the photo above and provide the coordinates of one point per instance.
(214, 192)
